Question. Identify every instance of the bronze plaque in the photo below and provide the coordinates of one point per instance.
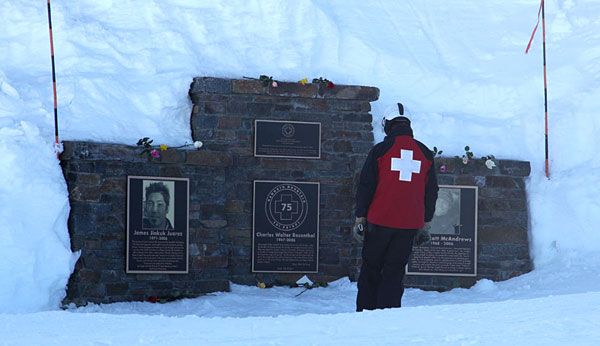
(452, 250)
(285, 235)
(291, 139)
(157, 225)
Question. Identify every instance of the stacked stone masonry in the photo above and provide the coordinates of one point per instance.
(221, 176)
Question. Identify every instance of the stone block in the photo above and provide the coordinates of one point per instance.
(329, 255)
(92, 292)
(161, 285)
(358, 117)
(110, 276)
(204, 122)
(260, 109)
(247, 86)
(170, 171)
(237, 107)
(205, 262)
(88, 276)
(446, 179)
(120, 289)
(466, 180)
(83, 193)
(206, 158)
(515, 168)
(215, 107)
(492, 234)
(294, 90)
(229, 122)
(208, 286)
(210, 85)
(347, 92)
(310, 105)
(501, 182)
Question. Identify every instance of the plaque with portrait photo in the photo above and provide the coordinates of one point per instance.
(285, 234)
(157, 225)
(452, 250)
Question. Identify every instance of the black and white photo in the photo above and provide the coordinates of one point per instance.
(157, 225)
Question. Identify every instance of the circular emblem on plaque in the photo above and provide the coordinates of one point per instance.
(288, 130)
(286, 207)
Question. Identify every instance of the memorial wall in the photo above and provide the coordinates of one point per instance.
(268, 198)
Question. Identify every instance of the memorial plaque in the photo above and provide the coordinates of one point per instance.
(285, 235)
(157, 225)
(452, 250)
(292, 139)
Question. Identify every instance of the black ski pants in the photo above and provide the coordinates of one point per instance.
(385, 253)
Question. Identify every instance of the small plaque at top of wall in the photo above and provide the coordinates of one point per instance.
(288, 139)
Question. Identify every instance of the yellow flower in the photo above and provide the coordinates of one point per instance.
(163, 147)
(261, 285)
(303, 81)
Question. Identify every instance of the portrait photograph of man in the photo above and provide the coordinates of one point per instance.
(157, 208)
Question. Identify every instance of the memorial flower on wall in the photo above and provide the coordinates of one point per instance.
(489, 161)
(438, 153)
(153, 151)
(467, 156)
(468, 161)
(323, 83)
(265, 80)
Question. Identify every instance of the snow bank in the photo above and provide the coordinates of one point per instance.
(36, 260)
(124, 67)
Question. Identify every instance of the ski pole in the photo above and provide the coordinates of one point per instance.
(53, 75)
(545, 90)
(542, 12)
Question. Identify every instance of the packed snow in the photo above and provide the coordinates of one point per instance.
(123, 72)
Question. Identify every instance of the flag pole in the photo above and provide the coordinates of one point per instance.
(547, 166)
(542, 13)
(53, 75)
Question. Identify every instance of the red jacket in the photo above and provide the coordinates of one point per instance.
(398, 185)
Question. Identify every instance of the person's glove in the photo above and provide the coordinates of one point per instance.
(423, 236)
(359, 228)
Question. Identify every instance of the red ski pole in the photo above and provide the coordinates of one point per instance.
(53, 75)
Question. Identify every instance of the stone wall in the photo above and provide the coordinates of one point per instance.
(223, 117)
(221, 176)
(221, 181)
(96, 176)
(502, 222)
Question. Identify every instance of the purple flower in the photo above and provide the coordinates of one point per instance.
(155, 154)
(443, 168)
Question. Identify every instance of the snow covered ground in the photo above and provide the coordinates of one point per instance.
(123, 71)
(559, 306)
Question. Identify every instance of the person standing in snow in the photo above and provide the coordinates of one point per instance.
(395, 201)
